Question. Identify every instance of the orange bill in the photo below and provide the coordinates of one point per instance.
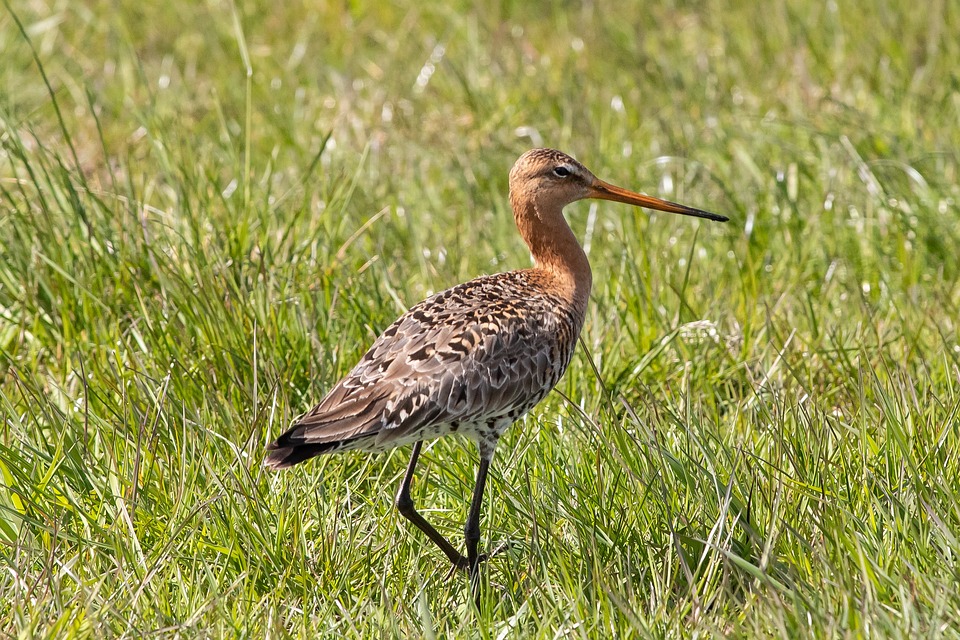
(606, 191)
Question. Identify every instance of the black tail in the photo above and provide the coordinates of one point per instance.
(290, 449)
(286, 457)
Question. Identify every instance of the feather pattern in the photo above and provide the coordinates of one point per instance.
(471, 359)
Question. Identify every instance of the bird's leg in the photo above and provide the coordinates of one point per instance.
(471, 531)
(405, 507)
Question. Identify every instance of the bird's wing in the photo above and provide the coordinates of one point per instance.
(454, 357)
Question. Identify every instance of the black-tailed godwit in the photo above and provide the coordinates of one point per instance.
(475, 358)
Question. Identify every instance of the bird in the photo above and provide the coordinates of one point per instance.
(475, 358)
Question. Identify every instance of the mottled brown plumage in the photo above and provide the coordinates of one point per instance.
(475, 358)
(463, 360)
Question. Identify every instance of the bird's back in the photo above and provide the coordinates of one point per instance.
(470, 359)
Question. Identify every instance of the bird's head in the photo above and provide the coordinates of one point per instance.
(550, 180)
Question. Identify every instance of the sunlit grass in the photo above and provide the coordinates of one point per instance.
(759, 437)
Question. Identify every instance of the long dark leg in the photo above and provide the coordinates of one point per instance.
(406, 508)
(471, 531)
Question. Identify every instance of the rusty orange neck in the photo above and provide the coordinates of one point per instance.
(555, 249)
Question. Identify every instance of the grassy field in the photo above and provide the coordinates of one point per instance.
(209, 210)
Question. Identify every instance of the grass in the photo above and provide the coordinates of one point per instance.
(209, 210)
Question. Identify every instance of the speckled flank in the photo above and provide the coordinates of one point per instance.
(470, 360)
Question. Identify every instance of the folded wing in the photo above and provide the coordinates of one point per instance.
(456, 358)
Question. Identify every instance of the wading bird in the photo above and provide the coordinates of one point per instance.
(475, 358)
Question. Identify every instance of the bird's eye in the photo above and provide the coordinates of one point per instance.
(561, 172)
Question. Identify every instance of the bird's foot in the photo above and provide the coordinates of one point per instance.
(462, 563)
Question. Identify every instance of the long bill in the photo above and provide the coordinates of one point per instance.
(606, 191)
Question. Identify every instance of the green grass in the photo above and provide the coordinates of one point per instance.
(208, 211)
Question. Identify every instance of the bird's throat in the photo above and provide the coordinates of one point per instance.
(556, 250)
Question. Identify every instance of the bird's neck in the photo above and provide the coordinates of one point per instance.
(556, 251)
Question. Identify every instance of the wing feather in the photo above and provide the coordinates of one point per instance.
(465, 355)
